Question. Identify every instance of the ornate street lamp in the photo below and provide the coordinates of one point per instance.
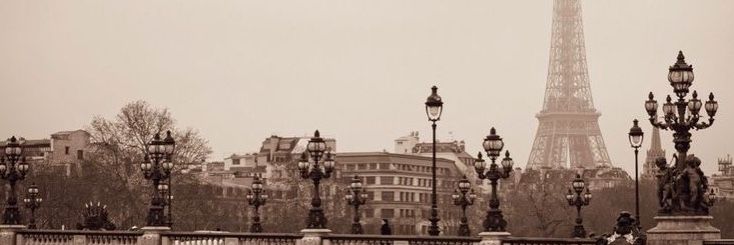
(464, 196)
(636, 136)
(576, 198)
(256, 197)
(434, 108)
(679, 121)
(13, 168)
(33, 202)
(356, 197)
(317, 163)
(157, 166)
(493, 145)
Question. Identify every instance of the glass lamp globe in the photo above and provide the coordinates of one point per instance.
(434, 105)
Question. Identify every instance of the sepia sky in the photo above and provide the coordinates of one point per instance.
(360, 71)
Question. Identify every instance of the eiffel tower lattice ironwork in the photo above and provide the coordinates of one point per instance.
(568, 133)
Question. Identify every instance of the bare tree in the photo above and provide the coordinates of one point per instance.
(119, 147)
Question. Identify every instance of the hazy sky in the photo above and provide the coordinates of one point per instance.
(359, 71)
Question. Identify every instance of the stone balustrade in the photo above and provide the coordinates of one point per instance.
(18, 235)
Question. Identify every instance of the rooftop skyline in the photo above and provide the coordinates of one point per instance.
(240, 71)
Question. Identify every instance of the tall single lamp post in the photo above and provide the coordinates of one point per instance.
(434, 108)
(13, 168)
(356, 197)
(636, 137)
(681, 122)
(317, 163)
(463, 197)
(256, 197)
(577, 199)
(157, 166)
(493, 145)
(32, 202)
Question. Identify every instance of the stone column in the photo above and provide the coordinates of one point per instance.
(8, 233)
(313, 236)
(152, 235)
(682, 230)
(493, 237)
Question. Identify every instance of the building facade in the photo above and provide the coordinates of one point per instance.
(723, 181)
(65, 150)
(399, 188)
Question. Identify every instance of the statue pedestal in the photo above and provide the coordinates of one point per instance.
(682, 230)
(8, 233)
(492, 237)
(312, 236)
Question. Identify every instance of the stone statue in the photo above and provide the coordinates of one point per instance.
(95, 218)
(682, 191)
(696, 184)
(665, 177)
(626, 231)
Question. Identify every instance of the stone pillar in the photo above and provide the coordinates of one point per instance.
(313, 236)
(79, 240)
(682, 230)
(152, 235)
(493, 237)
(231, 241)
(8, 234)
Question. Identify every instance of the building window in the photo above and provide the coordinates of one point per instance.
(387, 213)
(384, 166)
(387, 180)
(369, 213)
(361, 166)
(66, 150)
(371, 195)
(370, 180)
(79, 154)
(235, 161)
(350, 166)
(373, 165)
(388, 196)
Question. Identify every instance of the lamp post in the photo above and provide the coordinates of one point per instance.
(675, 118)
(317, 163)
(13, 168)
(464, 196)
(636, 137)
(356, 197)
(493, 145)
(256, 197)
(164, 192)
(576, 198)
(33, 202)
(157, 166)
(434, 108)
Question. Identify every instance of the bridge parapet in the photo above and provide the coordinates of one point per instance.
(229, 238)
(75, 237)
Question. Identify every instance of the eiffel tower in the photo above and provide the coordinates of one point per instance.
(568, 133)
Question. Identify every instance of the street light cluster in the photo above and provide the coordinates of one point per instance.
(13, 168)
(356, 197)
(32, 201)
(256, 197)
(317, 163)
(157, 166)
(577, 199)
(493, 145)
(677, 198)
(464, 196)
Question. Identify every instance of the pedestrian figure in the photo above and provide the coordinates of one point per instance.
(385, 229)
